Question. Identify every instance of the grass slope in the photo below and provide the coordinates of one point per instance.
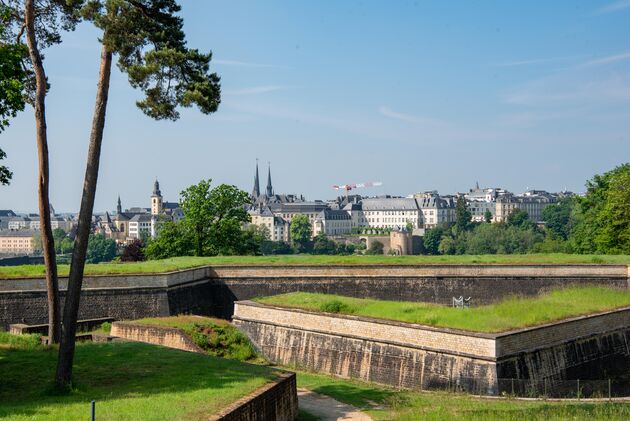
(512, 313)
(389, 404)
(216, 336)
(178, 263)
(129, 381)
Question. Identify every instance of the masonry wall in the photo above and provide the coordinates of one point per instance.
(30, 307)
(420, 357)
(156, 335)
(212, 291)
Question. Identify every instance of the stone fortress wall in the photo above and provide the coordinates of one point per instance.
(212, 290)
(413, 356)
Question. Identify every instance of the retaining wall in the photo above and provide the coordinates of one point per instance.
(157, 335)
(419, 357)
(213, 290)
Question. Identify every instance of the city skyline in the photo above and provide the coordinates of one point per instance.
(354, 92)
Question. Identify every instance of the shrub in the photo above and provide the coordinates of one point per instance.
(335, 306)
(106, 327)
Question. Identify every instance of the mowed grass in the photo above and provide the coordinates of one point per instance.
(129, 381)
(215, 336)
(187, 262)
(511, 313)
(389, 404)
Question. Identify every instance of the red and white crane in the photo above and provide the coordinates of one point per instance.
(348, 187)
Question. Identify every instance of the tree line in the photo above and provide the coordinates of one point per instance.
(596, 223)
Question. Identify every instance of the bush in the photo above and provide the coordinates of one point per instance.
(133, 252)
(376, 247)
(335, 306)
(222, 341)
(106, 327)
(28, 341)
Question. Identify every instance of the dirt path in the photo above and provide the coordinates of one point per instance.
(328, 409)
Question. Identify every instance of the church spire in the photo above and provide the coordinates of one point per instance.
(119, 206)
(269, 187)
(156, 188)
(256, 190)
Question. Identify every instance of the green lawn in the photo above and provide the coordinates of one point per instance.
(389, 404)
(129, 381)
(512, 313)
(178, 263)
(215, 336)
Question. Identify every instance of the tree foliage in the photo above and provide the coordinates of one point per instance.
(100, 249)
(133, 252)
(558, 218)
(301, 232)
(432, 239)
(212, 225)
(12, 80)
(602, 216)
(463, 217)
(173, 239)
(148, 38)
(214, 218)
(376, 248)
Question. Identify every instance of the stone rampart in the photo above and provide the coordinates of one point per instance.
(157, 335)
(420, 357)
(213, 290)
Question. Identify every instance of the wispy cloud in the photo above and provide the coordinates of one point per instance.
(571, 89)
(608, 59)
(528, 62)
(397, 116)
(256, 90)
(238, 63)
(614, 7)
(408, 118)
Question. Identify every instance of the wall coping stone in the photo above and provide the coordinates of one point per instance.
(184, 276)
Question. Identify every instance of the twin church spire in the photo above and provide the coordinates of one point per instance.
(256, 190)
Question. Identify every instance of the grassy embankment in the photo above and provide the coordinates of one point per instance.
(215, 336)
(390, 404)
(187, 262)
(129, 381)
(512, 313)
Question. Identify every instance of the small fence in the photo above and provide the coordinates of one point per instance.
(545, 388)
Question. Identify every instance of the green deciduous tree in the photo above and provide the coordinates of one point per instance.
(214, 218)
(614, 217)
(5, 173)
(100, 249)
(173, 239)
(463, 217)
(519, 218)
(376, 248)
(600, 221)
(557, 217)
(301, 232)
(323, 245)
(148, 38)
(487, 216)
(432, 238)
(12, 80)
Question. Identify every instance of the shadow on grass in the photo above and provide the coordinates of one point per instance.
(112, 371)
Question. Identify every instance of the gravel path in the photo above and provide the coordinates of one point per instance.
(328, 409)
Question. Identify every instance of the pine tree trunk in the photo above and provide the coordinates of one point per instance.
(48, 244)
(63, 376)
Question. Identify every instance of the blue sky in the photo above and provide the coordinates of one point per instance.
(419, 95)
